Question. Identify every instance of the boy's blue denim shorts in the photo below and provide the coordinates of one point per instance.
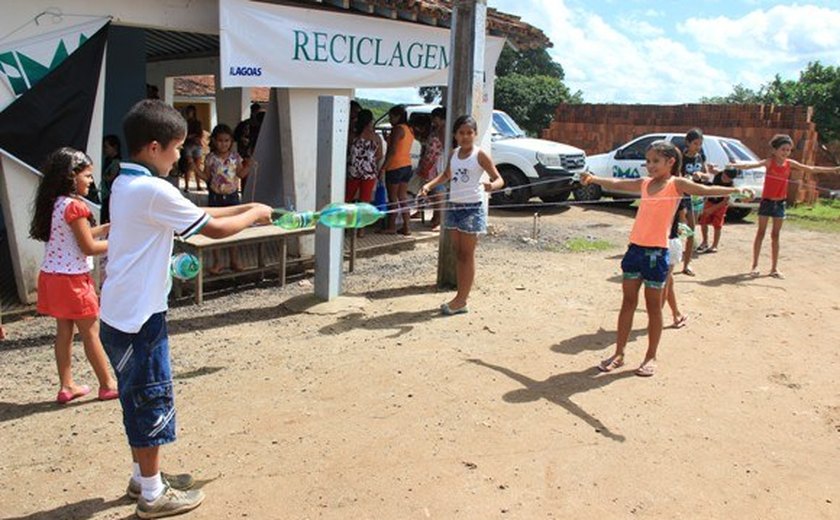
(141, 364)
(467, 217)
(648, 263)
(771, 208)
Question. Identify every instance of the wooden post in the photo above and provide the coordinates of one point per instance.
(464, 95)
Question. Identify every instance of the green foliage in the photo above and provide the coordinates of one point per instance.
(379, 108)
(818, 86)
(432, 95)
(532, 62)
(531, 100)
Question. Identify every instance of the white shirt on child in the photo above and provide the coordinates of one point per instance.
(467, 174)
(146, 214)
(62, 253)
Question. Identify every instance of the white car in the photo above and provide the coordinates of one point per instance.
(530, 167)
(628, 162)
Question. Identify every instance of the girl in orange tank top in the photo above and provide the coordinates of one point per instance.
(646, 260)
(779, 171)
(396, 170)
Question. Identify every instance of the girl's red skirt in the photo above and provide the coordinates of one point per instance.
(67, 296)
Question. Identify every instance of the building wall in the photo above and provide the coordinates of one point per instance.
(125, 77)
(601, 128)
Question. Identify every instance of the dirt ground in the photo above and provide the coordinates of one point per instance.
(389, 411)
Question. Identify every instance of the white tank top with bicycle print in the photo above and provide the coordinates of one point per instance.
(466, 186)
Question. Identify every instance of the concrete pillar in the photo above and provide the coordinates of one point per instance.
(333, 118)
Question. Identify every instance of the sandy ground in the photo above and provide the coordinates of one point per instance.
(388, 410)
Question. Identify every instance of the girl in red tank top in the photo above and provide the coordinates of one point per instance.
(646, 260)
(779, 168)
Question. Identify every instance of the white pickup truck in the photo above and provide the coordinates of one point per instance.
(628, 162)
(534, 167)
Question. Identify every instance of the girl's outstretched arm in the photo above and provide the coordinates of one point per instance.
(496, 180)
(633, 185)
(84, 237)
(812, 169)
(692, 188)
(442, 177)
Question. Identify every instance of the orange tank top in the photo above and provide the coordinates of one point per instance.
(401, 157)
(655, 215)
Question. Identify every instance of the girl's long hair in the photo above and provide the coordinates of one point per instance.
(59, 170)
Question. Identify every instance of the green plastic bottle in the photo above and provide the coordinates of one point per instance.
(184, 266)
(297, 220)
(343, 215)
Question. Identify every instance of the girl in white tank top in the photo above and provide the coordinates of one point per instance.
(465, 215)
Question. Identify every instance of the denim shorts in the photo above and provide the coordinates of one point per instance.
(771, 208)
(144, 377)
(217, 200)
(648, 263)
(468, 217)
(399, 175)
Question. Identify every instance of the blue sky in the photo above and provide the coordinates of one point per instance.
(643, 51)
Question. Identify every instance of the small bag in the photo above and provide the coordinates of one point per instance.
(380, 196)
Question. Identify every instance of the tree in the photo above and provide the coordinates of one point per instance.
(818, 86)
(531, 100)
(431, 94)
(531, 62)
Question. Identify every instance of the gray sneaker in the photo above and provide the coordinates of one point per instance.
(181, 482)
(171, 502)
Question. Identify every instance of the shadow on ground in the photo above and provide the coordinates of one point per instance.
(559, 389)
(81, 510)
(401, 322)
(592, 341)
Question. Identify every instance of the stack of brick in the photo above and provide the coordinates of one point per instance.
(601, 128)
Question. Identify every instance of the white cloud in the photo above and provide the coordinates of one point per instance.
(781, 37)
(611, 66)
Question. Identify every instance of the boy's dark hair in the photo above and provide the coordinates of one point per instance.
(465, 120)
(439, 112)
(363, 119)
(255, 107)
(693, 135)
(59, 170)
(355, 105)
(780, 140)
(152, 120)
(668, 150)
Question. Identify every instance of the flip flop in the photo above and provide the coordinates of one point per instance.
(446, 310)
(611, 363)
(711, 250)
(681, 322)
(646, 370)
(688, 271)
(777, 275)
(755, 273)
(65, 396)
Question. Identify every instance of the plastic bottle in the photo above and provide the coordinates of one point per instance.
(342, 215)
(184, 266)
(297, 220)
(684, 230)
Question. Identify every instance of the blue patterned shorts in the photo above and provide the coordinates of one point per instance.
(144, 378)
(771, 208)
(648, 263)
(468, 217)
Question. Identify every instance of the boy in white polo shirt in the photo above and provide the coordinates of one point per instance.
(146, 213)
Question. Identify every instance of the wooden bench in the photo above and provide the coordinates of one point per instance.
(260, 236)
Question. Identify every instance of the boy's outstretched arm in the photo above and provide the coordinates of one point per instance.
(230, 224)
(634, 185)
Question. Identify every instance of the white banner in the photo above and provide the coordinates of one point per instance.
(24, 62)
(270, 45)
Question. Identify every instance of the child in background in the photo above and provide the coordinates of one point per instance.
(65, 288)
(147, 212)
(694, 167)
(675, 252)
(714, 212)
(223, 169)
(774, 194)
(397, 168)
(428, 166)
(112, 152)
(465, 214)
(647, 258)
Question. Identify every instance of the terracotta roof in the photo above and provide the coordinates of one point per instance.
(437, 13)
(205, 86)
